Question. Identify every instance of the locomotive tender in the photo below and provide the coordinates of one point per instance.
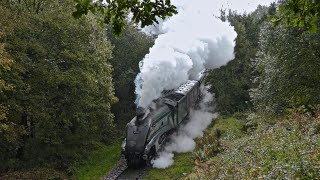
(146, 132)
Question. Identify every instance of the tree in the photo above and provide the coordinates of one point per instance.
(287, 69)
(115, 12)
(9, 132)
(129, 49)
(299, 13)
(59, 106)
(231, 83)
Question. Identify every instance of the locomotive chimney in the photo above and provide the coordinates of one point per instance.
(140, 112)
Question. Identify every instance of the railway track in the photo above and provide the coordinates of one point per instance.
(122, 172)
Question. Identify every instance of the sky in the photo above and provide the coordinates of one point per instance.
(245, 5)
(238, 5)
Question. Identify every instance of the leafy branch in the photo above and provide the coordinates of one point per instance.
(298, 13)
(115, 12)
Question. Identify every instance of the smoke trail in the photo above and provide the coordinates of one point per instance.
(183, 139)
(187, 43)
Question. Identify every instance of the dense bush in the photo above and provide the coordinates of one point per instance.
(280, 140)
(129, 49)
(56, 85)
(231, 83)
(287, 68)
(282, 148)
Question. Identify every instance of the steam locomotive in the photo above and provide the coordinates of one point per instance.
(146, 132)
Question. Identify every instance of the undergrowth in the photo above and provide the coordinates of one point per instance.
(35, 173)
(182, 166)
(254, 146)
(98, 164)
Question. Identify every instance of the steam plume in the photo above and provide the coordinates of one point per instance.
(183, 139)
(187, 43)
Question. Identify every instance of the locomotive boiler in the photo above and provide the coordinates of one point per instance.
(146, 132)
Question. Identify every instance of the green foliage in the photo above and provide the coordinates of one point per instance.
(182, 166)
(224, 128)
(35, 173)
(128, 50)
(287, 69)
(287, 149)
(228, 127)
(298, 13)
(207, 146)
(59, 105)
(231, 83)
(115, 12)
(98, 163)
(285, 74)
(30, 6)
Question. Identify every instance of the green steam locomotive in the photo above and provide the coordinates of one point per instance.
(146, 132)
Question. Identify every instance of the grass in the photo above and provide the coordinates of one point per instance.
(184, 163)
(99, 163)
(229, 127)
(35, 173)
(182, 166)
(258, 148)
(250, 146)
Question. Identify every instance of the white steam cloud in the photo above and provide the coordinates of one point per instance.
(183, 139)
(187, 43)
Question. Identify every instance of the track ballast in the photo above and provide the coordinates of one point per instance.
(122, 172)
